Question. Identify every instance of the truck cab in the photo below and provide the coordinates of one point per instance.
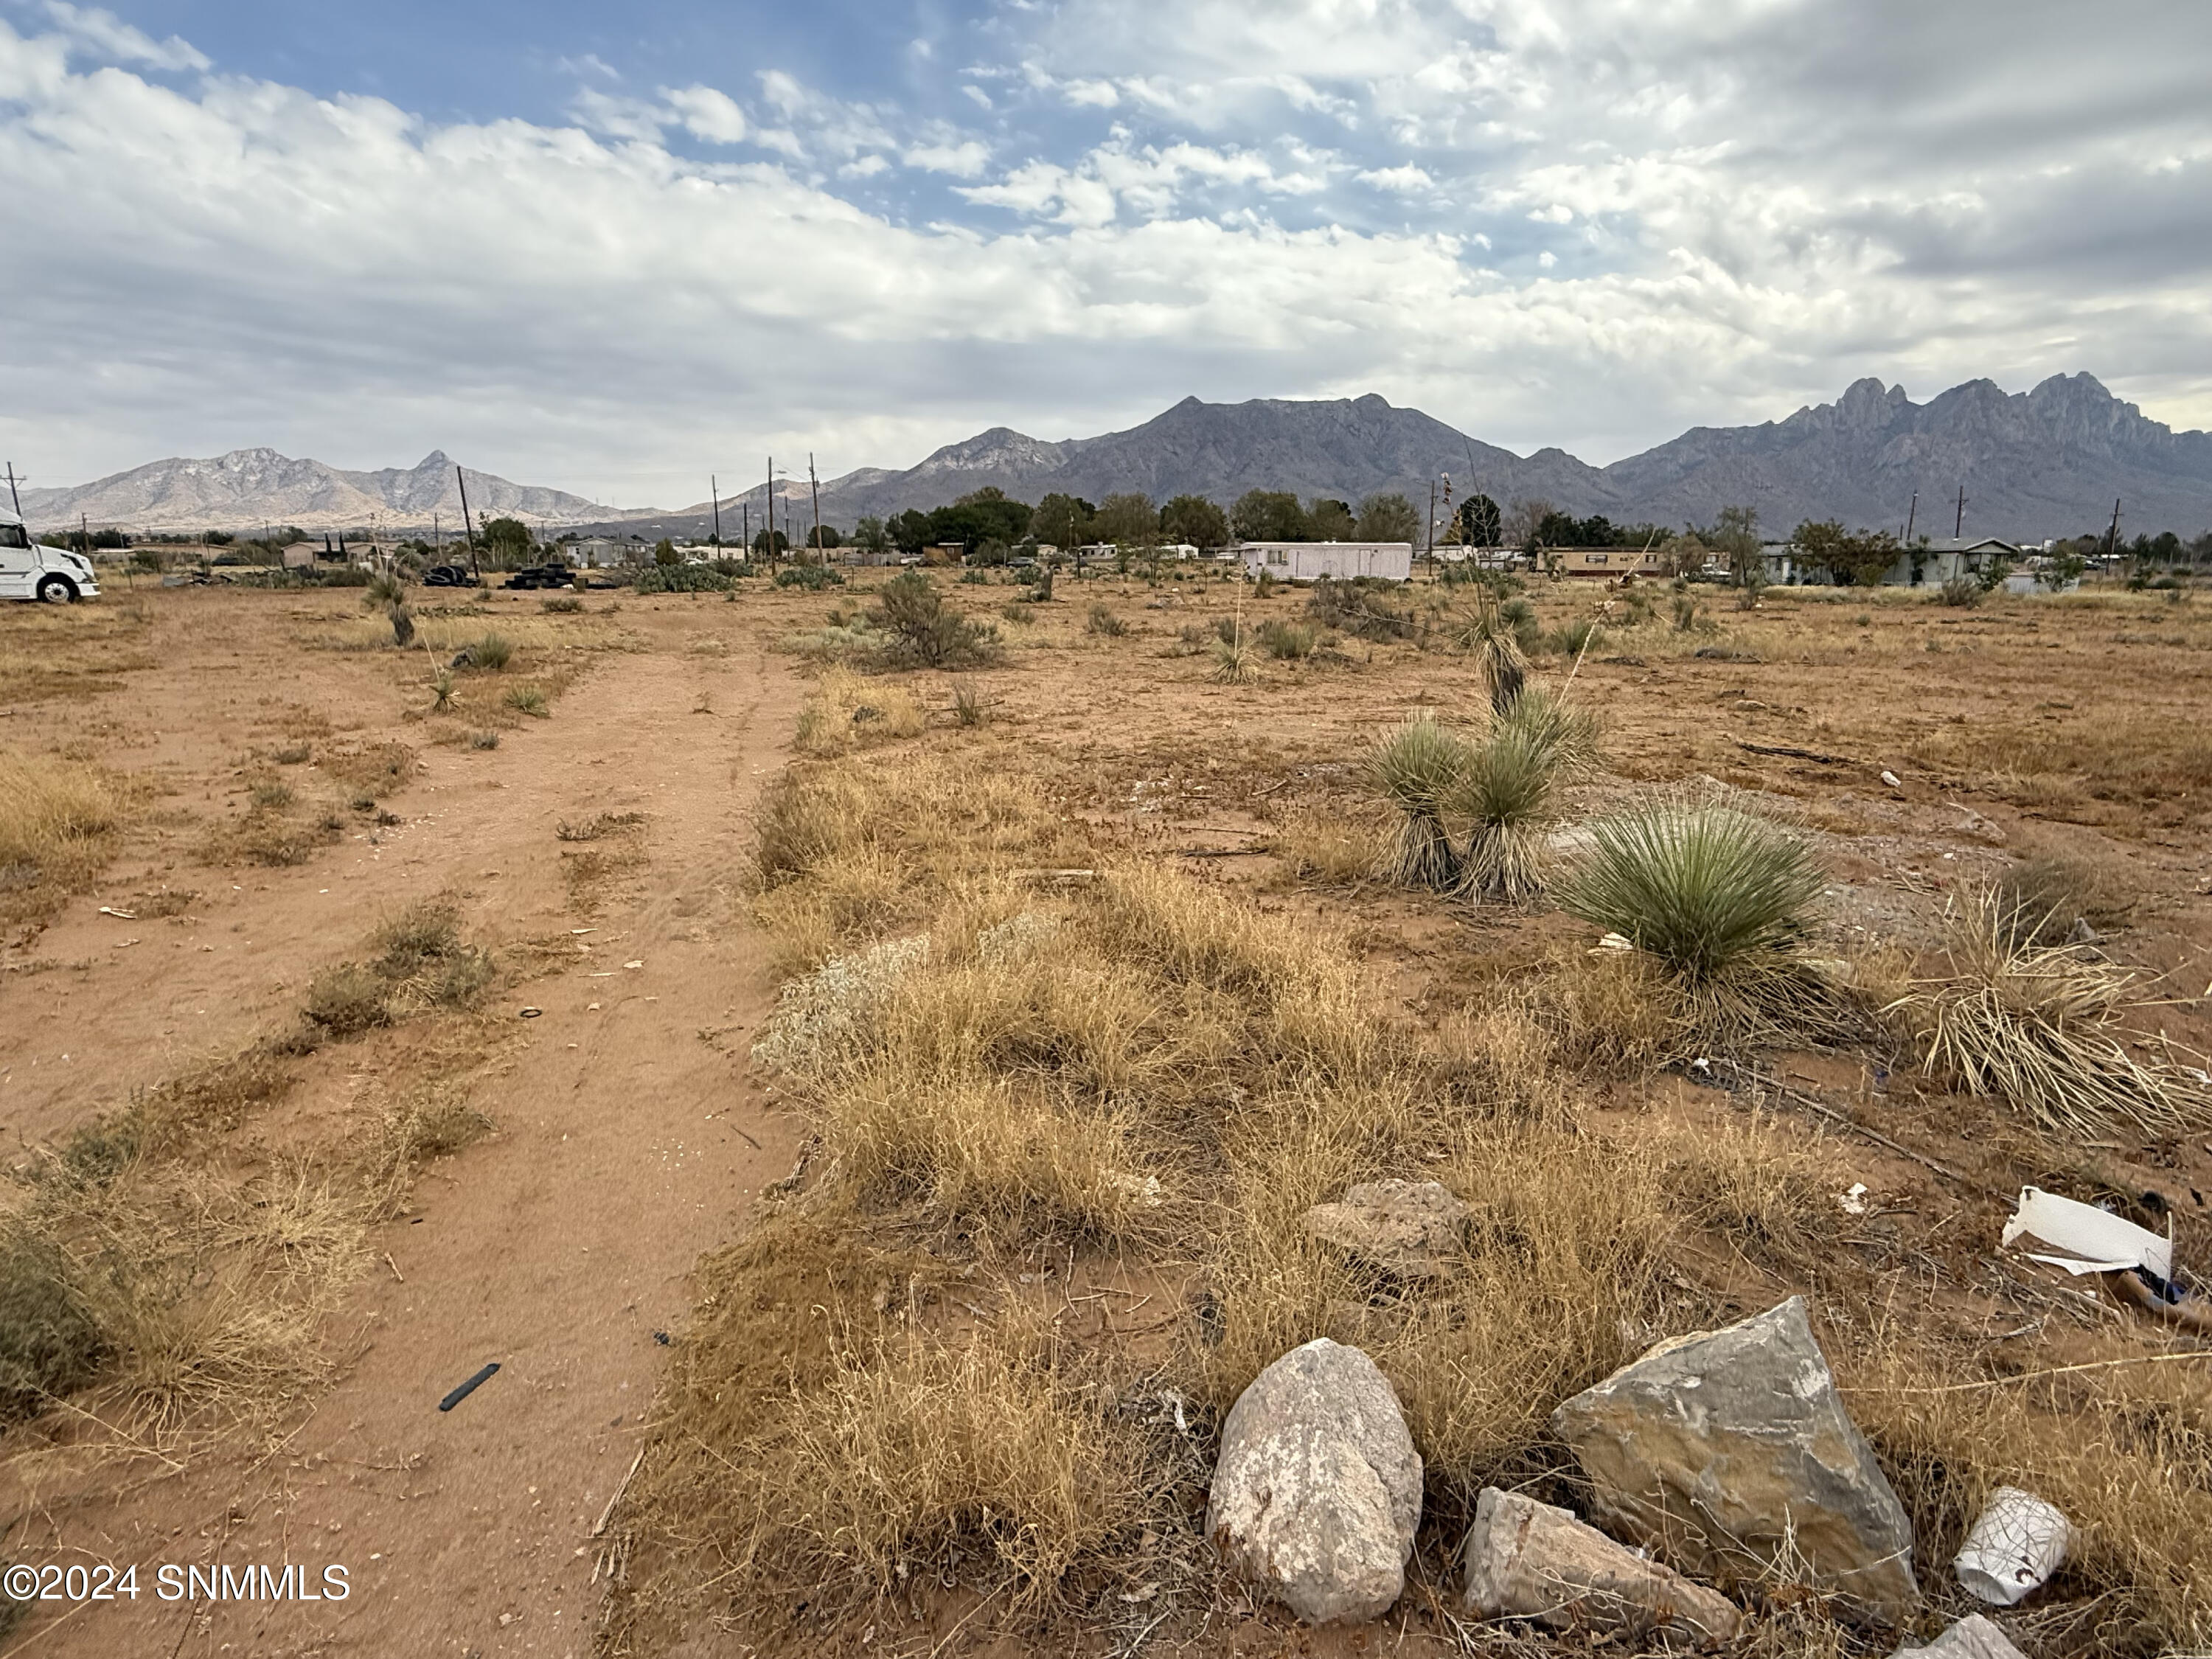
(29, 571)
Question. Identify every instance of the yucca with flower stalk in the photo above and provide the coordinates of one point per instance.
(1509, 790)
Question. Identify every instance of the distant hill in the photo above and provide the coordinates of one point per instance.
(2034, 464)
(2042, 463)
(239, 490)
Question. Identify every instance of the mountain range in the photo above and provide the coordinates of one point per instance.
(247, 487)
(2045, 462)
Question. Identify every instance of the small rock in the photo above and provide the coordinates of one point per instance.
(1316, 1494)
(1529, 1561)
(1972, 1637)
(1730, 1453)
(1415, 1229)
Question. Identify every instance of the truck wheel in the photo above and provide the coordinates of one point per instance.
(58, 590)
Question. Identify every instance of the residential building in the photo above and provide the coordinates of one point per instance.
(1309, 562)
(1605, 562)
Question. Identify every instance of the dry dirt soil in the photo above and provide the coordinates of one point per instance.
(1923, 746)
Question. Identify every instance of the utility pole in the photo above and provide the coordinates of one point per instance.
(1428, 540)
(437, 536)
(745, 525)
(468, 525)
(12, 495)
(814, 488)
(84, 534)
(1958, 525)
(1912, 517)
(2113, 536)
(770, 509)
(714, 490)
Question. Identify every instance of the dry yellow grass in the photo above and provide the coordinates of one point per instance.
(846, 713)
(60, 823)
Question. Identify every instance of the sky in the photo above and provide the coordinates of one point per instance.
(616, 249)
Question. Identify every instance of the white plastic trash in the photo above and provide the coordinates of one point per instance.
(2017, 1543)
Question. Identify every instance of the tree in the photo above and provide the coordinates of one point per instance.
(911, 610)
(1195, 519)
(1734, 537)
(908, 530)
(870, 536)
(1269, 515)
(507, 540)
(826, 536)
(1063, 520)
(1479, 523)
(762, 548)
(1328, 520)
(1128, 520)
(981, 515)
(1522, 519)
(1389, 518)
(1859, 558)
(664, 553)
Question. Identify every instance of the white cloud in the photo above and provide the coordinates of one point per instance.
(1404, 180)
(708, 113)
(1091, 94)
(99, 34)
(962, 160)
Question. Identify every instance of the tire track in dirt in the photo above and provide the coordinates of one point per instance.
(626, 1147)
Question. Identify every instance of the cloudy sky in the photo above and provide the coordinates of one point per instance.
(613, 248)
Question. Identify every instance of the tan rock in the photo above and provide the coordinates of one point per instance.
(1414, 1229)
(1529, 1561)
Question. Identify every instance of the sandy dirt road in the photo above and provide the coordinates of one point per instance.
(627, 1142)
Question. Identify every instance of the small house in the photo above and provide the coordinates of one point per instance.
(1606, 562)
(1938, 561)
(1312, 562)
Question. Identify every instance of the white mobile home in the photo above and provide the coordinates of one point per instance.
(1309, 562)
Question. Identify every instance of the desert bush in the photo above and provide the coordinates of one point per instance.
(1571, 639)
(528, 699)
(272, 795)
(684, 579)
(1287, 640)
(919, 629)
(1686, 613)
(598, 827)
(2045, 899)
(568, 604)
(59, 822)
(969, 707)
(1100, 619)
(813, 577)
(1365, 610)
(484, 739)
(1962, 593)
(1419, 769)
(348, 999)
(50, 1344)
(491, 652)
(1708, 889)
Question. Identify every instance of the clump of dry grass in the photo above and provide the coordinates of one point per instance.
(420, 963)
(60, 823)
(1339, 847)
(846, 713)
(2042, 1028)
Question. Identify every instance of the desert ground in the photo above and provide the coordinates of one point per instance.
(368, 1021)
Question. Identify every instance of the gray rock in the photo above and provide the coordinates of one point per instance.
(1317, 1492)
(1730, 1454)
(1529, 1561)
(1414, 1229)
(1972, 1637)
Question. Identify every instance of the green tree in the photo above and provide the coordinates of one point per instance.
(764, 548)
(1734, 537)
(1853, 559)
(908, 530)
(983, 515)
(1064, 520)
(1479, 523)
(1269, 515)
(826, 536)
(664, 553)
(507, 540)
(1195, 519)
(1328, 520)
(870, 536)
(1128, 520)
(1388, 517)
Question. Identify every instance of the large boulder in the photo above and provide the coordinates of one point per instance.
(1317, 1492)
(1972, 1637)
(1530, 1560)
(1413, 1229)
(1730, 1453)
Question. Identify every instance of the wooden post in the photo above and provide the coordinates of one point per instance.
(1958, 525)
(746, 525)
(2113, 536)
(814, 487)
(1912, 517)
(468, 525)
(714, 490)
(770, 509)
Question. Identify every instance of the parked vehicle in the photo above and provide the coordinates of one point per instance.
(29, 571)
(542, 575)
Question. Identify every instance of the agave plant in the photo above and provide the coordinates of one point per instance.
(1711, 890)
(1419, 769)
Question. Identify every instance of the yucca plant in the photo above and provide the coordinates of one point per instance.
(383, 591)
(1711, 891)
(1418, 768)
(2038, 1026)
(442, 690)
(1494, 639)
(1509, 790)
(1232, 660)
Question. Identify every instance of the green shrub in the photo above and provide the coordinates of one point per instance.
(484, 739)
(50, 1344)
(567, 605)
(1418, 768)
(492, 653)
(811, 577)
(1287, 640)
(528, 699)
(348, 999)
(684, 579)
(1101, 620)
(918, 628)
(1708, 888)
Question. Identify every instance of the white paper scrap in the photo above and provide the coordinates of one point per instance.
(2095, 1241)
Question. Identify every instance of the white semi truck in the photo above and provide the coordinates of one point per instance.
(29, 571)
